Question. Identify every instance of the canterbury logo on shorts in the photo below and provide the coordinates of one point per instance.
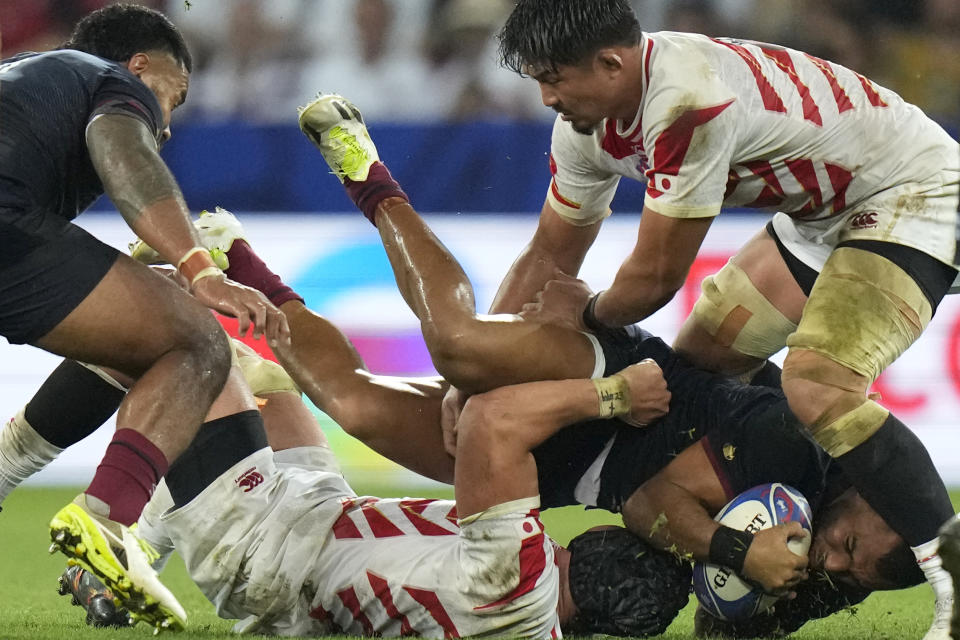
(865, 220)
(249, 479)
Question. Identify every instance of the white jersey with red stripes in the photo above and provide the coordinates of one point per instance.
(287, 547)
(727, 123)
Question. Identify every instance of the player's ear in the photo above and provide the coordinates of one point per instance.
(609, 60)
(138, 63)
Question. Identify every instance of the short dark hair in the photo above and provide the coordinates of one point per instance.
(622, 586)
(551, 33)
(899, 568)
(119, 31)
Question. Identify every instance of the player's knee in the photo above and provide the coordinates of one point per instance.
(830, 400)
(737, 316)
(456, 356)
(208, 350)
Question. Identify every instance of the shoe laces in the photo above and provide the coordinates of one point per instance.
(354, 155)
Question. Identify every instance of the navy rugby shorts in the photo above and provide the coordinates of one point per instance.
(47, 267)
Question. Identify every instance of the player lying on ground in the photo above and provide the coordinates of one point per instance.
(749, 439)
(866, 188)
(275, 537)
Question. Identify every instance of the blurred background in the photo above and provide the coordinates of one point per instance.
(469, 141)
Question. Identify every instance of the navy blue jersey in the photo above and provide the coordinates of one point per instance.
(749, 433)
(46, 102)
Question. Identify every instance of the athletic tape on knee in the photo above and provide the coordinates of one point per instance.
(736, 314)
(863, 312)
(851, 428)
(804, 364)
(262, 376)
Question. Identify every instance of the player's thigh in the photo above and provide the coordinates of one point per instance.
(745, 311)
(871, 301)
(494, 351)
(131, 318)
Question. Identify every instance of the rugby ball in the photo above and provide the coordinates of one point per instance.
(721, 592)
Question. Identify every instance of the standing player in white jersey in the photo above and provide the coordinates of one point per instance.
(848, 274)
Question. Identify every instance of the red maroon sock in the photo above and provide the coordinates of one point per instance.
(247, 268)
(128, 474)
(378, 186)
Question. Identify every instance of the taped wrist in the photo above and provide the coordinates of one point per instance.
(197, 264)
(589, 314)
(728, 547)
(613, 394)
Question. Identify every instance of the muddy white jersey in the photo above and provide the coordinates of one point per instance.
(288, 548)
(728, 123)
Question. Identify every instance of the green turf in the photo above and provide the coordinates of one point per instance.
(31, 609)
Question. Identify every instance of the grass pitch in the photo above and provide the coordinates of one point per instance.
(30, 608)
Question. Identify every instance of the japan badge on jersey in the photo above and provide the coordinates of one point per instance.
(664, 183)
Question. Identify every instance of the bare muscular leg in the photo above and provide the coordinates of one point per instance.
(141, 324)
(473, 352)
(397, 417)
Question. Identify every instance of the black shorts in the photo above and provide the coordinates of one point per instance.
(932, 276)
(46, 271)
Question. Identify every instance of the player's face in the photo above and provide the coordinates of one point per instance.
(577, 93)
(169, 81)
(849, 540)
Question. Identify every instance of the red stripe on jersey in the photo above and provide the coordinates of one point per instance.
(718, 468)
(614, 144)
(429, 601)
(811, 112)
(646, 62)
(533, 560)
(349, 599)
(554, 634)
(560, 198)
(344, 527)
(843, 100)
(553, 166)
(840, 179)
(805, 173)
(382, 590)
(414, 509)
(771, 101)
(380, 524)
(763, 169)
(452, 516)
(674, 141)
(872, 94)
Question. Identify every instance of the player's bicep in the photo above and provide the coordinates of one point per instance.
(124, 154)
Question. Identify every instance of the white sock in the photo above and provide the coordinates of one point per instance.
(931, 564)
(23, 452)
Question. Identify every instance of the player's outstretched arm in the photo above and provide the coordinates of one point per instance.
(125, 156)
(654, 271)
(557, 245)
(498, 430)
